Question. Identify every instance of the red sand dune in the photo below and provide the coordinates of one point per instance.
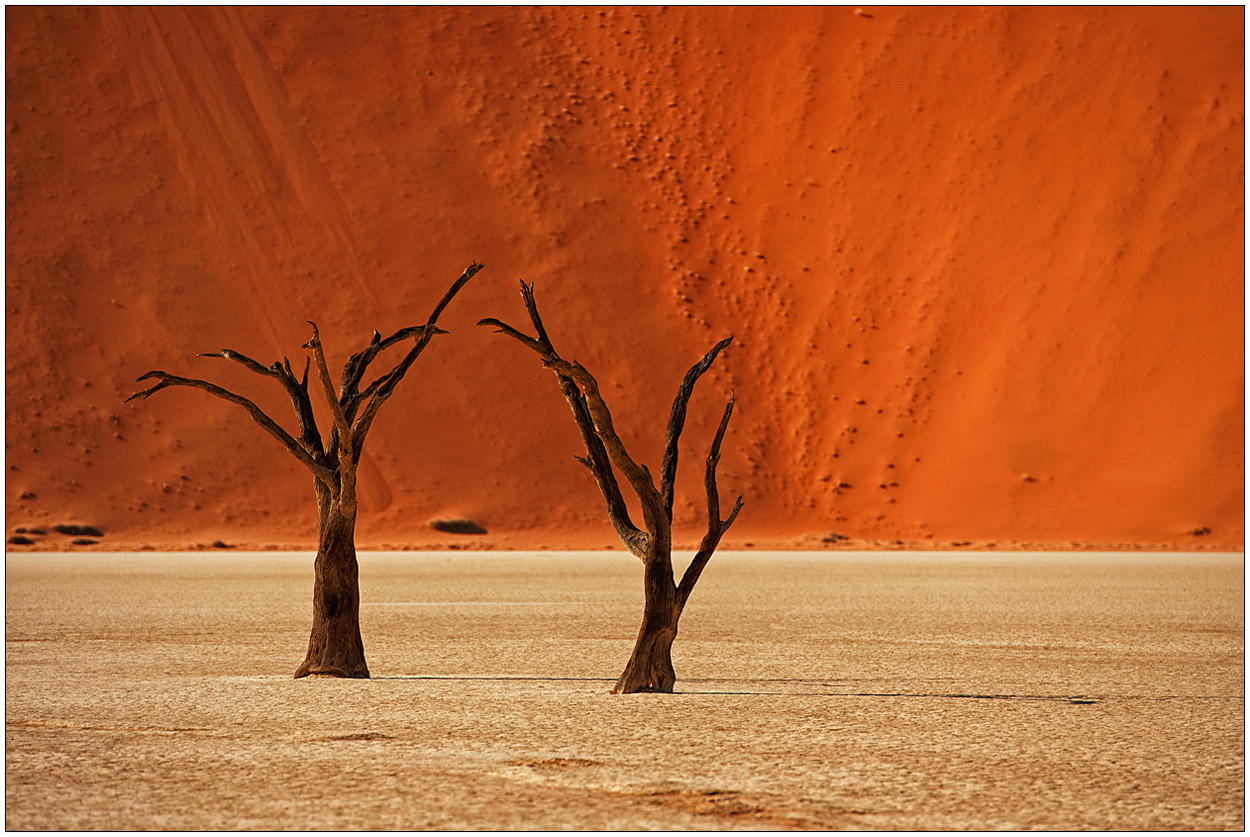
(983, 268)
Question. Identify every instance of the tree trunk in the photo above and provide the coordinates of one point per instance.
(334, 646)
(650, 667)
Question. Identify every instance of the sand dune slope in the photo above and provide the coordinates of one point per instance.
(983, 268)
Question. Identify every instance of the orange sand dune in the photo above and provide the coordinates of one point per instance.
(983, 268)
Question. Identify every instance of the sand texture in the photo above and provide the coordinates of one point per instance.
(984, 268)
(857, 690)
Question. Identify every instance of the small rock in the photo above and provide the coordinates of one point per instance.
(458, 526)
(1205, 530)
(83, 542)
(834, 536)
(75, 529)
(36, 530)
(222, 545)
(20, 540)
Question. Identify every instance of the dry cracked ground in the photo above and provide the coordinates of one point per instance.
(857, 690)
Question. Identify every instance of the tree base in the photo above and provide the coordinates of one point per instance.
(358, 673)
(331, 655)
(650, 667)
(334, 645)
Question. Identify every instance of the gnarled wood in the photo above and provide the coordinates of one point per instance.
(650, 666)
(596, 460)
(334, 645)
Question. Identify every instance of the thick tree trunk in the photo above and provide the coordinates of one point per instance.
(650, 667)
(334, 646)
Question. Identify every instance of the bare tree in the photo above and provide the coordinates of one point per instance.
(334, 646)
(650, 667)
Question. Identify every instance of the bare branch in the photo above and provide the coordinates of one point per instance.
(531, 306)
(310, 437)
(600, 465)
(239, 357)
(677, 419)
(357, 364)
(597, 460)
(716, 527)
(638, 476)
(164, 379)
(348, 394)
(346, 465)
(525, 339)
(469, 273)
(354, 369)
(384, 387)
(709, 478)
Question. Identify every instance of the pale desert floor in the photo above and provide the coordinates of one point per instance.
(856, 690)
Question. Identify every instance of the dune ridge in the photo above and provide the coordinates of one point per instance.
(984, 268)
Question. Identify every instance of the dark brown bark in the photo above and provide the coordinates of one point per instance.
(650, 666)
(334, 645)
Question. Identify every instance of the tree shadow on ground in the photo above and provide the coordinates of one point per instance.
(780, 687)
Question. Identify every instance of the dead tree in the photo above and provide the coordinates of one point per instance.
(334, 646)
(650, 667)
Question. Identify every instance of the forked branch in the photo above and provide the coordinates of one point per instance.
(382, 389)
(639, 476)
(297, 390)
(715, 526)
(346, 439)
(354, 369)
(597, 459)
(164, 379)
(677, 419)
(346, 464)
